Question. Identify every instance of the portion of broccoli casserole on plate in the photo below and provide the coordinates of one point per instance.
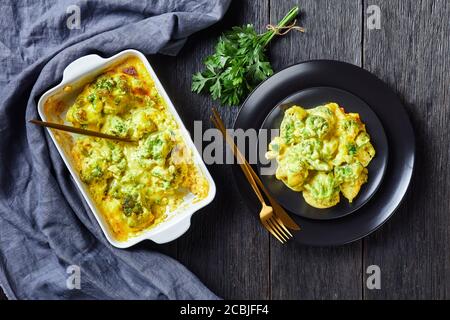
(133, 184)
(322, 152)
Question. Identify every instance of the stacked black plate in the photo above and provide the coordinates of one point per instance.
(314, 83)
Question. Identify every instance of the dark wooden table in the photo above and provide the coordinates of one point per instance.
(226, 246)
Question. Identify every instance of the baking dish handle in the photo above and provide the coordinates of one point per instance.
(173, 232)
(81, 66)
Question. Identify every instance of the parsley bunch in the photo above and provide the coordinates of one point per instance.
(239, 63)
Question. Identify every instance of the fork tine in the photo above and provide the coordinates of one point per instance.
(275, 229)
(283, 227)
(269, 228)
(280, 230)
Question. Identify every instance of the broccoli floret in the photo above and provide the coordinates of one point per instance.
(157, 146)
(91, 171)
(131, 205)
(351, 148)
(91, 98)
(316, 126)
(105, 84)
(116, 126)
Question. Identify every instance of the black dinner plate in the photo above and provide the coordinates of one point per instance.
(310, 98)
(395, 121)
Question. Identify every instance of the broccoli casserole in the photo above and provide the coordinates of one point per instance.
(322, 152)
(133, 184)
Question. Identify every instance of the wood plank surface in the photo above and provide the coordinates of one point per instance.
(332, 32)
(411, 53)
(226, 246)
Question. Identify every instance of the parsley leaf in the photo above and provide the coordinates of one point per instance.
(238, 64)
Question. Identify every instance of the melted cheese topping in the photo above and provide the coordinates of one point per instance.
(133, 184)
(322, 152)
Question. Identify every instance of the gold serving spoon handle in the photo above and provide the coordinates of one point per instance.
(85, 132)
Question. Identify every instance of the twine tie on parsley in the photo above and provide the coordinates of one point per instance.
(282, 30)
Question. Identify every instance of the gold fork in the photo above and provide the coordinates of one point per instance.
(268, 219)
(279, 211)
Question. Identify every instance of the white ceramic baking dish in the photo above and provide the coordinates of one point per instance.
(76, 75)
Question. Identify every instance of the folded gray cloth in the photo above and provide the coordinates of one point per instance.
(45, 225)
